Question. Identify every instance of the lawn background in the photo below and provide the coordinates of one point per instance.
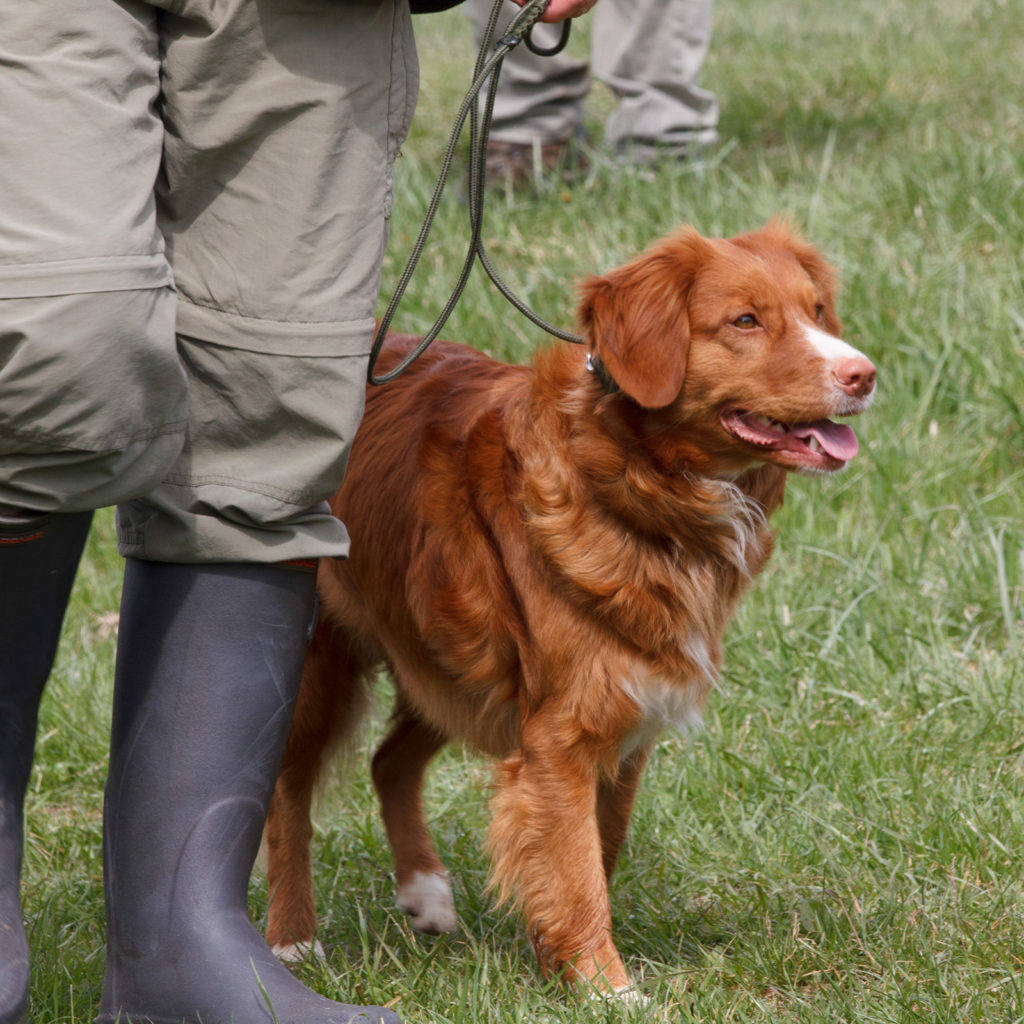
(843, 843)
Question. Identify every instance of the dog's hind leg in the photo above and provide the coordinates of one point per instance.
(399, 769)
(615, 797)
(331, 702)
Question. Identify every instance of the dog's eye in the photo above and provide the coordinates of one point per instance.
(747, 322)
(819, 312)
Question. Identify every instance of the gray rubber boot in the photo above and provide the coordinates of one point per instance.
(208, 669)
(38, 559)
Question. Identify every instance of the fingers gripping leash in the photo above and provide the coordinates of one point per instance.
(486, 71)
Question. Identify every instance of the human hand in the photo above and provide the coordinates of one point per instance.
(559, 10)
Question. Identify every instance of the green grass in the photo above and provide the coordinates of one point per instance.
(844, 842)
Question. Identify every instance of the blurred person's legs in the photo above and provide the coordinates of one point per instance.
(649, 53)
(538, 108)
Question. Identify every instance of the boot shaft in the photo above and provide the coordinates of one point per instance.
(208, 669)
(39, 556)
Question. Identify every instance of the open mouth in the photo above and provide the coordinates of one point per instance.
(821, 444)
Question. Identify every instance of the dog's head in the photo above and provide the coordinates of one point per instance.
(737, 341)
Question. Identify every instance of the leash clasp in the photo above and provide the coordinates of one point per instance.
(549, 51)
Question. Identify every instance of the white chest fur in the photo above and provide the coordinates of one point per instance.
(662, 705)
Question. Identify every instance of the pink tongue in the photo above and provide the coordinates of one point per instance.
(837, 439)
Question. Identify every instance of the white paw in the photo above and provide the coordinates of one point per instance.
(627, 995)
(296, 952)
(427, 899)
(632, 996)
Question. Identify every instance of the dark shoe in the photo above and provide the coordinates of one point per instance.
(513, 166)
(208, 670)
(39, 556)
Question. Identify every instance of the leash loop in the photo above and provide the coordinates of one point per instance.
(485, 70)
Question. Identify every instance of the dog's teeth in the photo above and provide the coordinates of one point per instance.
(771, 425)
(813, 444)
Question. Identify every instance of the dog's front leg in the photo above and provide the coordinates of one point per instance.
(546, 846)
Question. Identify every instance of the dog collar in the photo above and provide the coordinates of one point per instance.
(596, 367)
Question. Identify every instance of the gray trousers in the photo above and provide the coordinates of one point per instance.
(649, 52)
(196, 196)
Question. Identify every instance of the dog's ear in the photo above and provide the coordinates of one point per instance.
(635, 320)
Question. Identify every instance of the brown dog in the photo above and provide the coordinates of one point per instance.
(546, 558)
